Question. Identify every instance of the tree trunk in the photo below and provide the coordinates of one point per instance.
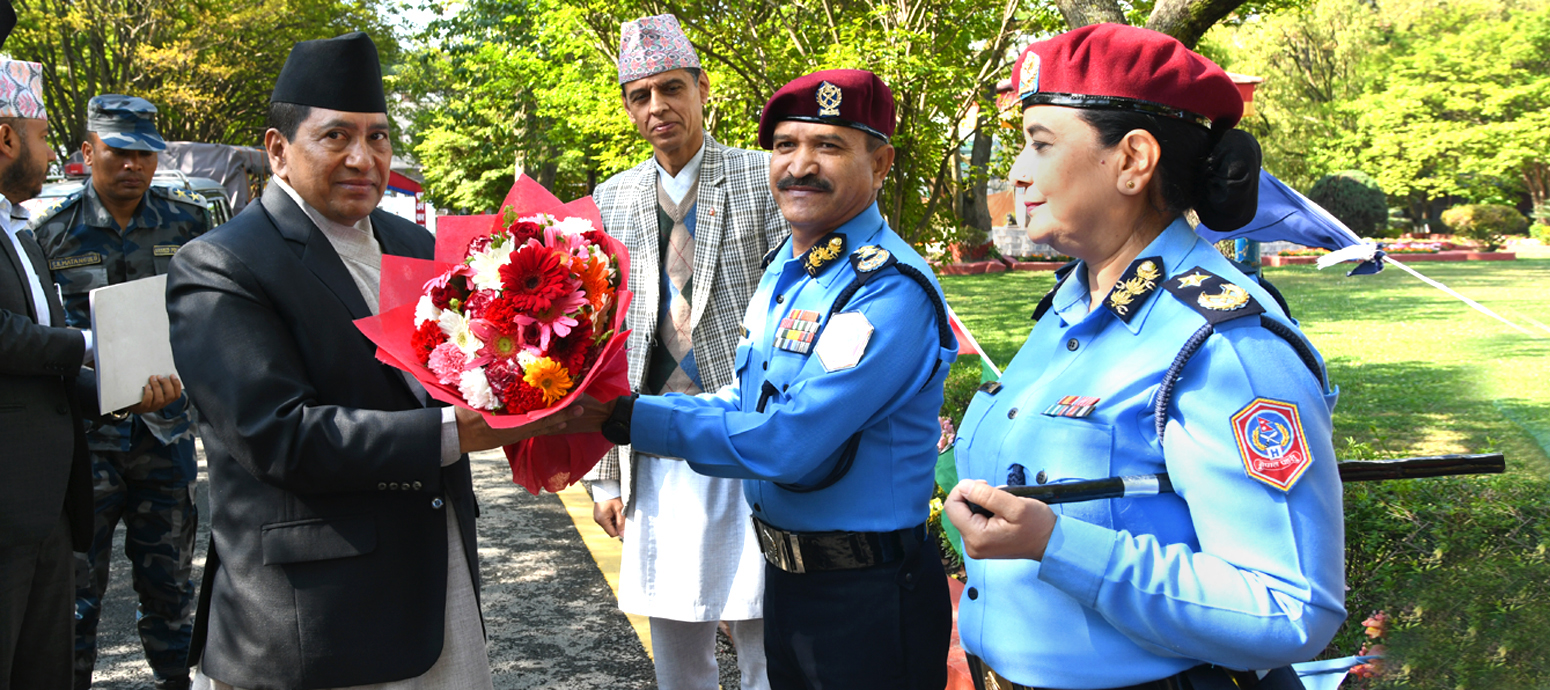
(1080, 13)
(1536, 177)
(1188, 20)
(976, 208)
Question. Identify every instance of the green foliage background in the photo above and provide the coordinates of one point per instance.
(1437, 101)
(537, 78)
(1353, 197)
(209, 66)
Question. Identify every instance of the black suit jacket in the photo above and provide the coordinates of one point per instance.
(328, 502)
(43, 394)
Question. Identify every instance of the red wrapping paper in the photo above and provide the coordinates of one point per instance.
(544, 462)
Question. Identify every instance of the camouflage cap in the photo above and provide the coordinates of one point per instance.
(124, 122)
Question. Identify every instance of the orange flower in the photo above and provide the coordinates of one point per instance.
(549, 377)
(594, 282)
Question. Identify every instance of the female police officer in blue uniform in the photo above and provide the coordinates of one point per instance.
(1153, 355)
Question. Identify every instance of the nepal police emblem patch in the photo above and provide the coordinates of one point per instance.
(1271, 440)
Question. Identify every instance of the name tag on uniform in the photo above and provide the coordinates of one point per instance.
(844, 341)
(165, 249)
(796, 331)
(87, 259)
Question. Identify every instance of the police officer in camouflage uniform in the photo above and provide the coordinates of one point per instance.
(117, 229)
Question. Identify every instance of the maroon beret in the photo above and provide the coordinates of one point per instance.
(1118, 67)
(843, 97)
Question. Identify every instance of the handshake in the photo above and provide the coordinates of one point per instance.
(585, 415)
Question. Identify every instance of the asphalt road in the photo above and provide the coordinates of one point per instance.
(549, 614)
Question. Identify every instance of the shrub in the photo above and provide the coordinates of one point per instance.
(1354, 198)
(1460, 565)
(1486, 223)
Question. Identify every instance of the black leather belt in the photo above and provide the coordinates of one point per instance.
(986, 678)
(1203, 677)
(807, 552)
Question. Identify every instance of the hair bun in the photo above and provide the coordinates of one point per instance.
(1231, 191)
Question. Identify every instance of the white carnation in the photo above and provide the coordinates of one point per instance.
(475, 388)
(426, 310)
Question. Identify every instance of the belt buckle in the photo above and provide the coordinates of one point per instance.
(780, 548)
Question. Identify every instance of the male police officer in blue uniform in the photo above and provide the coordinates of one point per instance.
(117, 229)
(833, 420)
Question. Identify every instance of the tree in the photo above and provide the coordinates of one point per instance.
(208, 66)
(505, 84)
(1355, 198)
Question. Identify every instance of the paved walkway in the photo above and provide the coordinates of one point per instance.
(549, 612)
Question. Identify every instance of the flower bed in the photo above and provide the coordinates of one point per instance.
(970, 269)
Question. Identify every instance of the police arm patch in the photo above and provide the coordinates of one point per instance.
(843, 341)
(1271, 442)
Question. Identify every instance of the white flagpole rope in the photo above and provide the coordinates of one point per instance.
(1476, 305)
(964, 329)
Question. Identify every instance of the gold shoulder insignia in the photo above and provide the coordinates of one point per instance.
(870, 258)
(1212, 296)
(823, 253)
(1137, 283)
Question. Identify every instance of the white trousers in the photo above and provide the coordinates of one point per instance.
(685, 654)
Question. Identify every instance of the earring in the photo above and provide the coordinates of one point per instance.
(1130, 184)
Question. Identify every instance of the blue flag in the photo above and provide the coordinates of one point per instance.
(1285, 215)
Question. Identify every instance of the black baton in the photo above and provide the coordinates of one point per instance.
(1350, 471)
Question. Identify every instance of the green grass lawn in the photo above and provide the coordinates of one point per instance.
(1419, 372)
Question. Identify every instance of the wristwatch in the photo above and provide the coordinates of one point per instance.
(617, 427)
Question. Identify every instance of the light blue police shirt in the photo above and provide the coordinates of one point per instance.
(1231, 569)
(892, 396)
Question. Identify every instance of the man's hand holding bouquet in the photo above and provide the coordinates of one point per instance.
(519, 316)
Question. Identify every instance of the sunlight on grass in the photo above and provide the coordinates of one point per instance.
(1419, 372)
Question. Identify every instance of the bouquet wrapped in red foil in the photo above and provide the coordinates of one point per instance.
(520, 313)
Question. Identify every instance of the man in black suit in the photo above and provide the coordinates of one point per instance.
(342, 550)
(45, 500)
(46, 495)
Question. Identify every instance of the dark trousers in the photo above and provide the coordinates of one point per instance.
(37, 596)
(884, 627)
(150, 494)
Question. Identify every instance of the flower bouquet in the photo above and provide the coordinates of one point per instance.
(519, 314)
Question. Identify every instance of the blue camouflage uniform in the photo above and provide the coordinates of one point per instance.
(1242, 566)
(833, 426)
(142, 465)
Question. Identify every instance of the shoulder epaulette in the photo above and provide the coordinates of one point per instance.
(180, 195)
(869, 260)
(58, 205)
(1215, 298)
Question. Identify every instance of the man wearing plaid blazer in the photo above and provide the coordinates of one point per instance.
(697, 218)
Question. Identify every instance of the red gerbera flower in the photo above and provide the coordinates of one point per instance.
(426, 338)
(534, 278)
(574, 350)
